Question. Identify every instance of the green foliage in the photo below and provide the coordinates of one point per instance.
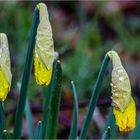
(93, 99)
(135, 134)
(29, 118)
(25, 79)
(74, 125)
(110, 126)
(106, 134)
(53, 112)
(38, 131)
(2, 120)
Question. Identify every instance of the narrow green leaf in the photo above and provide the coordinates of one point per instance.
(93, 99)
(135, 134)
(53, 115)
(74, 126)
(106, 134)
(29, 118)
(2, 120)
(38, 131)
(25, 79)
(46, 108)
(111, 123)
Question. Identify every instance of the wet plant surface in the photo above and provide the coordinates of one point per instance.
(83, 32)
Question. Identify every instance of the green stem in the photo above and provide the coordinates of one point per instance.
(93, 100)
(74, 126)
(25, 79)
(2, 120)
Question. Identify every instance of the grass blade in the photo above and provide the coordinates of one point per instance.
(55, 91)
(94, 98)
(25, 79)
(2, 120)
(74, 126)
(38, 131)
(29, 118)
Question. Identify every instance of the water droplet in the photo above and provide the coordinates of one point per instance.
(119, 71)
(121, 78)
(115, 86)
(42, 49)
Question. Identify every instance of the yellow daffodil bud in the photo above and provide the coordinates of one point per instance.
(121, 95)
(5, 68)
(44, 48)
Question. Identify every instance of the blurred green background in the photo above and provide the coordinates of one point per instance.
(83, 32)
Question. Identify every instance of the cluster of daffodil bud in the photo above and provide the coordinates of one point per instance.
(43, 55)
(124, 105)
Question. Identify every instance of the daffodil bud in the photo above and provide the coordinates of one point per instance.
(120, 83)
(124, 106)
(5, 68)
(44, 48)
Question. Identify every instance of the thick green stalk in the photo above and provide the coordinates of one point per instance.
(94, 98)
(25, 79)
(74, 126)
(2, 120)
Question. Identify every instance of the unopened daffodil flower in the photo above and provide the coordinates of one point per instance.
(5, 67)
(124, 106)
(44, 49)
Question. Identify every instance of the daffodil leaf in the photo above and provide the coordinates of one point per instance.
(2, 120)
(74, 125)
(135, 134)
(29, 118)
(55, 91)
(38, 131)
(110, 122)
